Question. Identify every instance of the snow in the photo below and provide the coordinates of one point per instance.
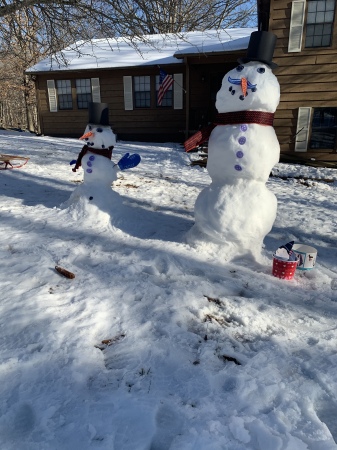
(237, 209)
(199, 353)
(150, 50)
(104, 138)
(93, 200)
(263, 89)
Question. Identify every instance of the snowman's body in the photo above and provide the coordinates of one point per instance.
(98, 169)
(94, 201)
(243, 151)
(99, 172)
(96, 190)
(242, 212)
(237, 207)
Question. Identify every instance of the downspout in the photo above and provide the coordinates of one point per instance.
(263, 15)
(187, 102)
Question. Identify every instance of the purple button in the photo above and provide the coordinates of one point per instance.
(237, 167)
(91, 158)
(242, 140)
(89, 170)
(239, 154)
(89, 163)
(244, 127)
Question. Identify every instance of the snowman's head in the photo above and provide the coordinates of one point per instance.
(98, 136)
(250, 86)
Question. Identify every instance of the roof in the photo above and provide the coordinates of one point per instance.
(157, 49)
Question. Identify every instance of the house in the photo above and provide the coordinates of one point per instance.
(306, 51)
(127, 78)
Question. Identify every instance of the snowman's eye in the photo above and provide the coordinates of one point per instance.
(240, 68)
(99, 130)
(261, 70)
(90, 128)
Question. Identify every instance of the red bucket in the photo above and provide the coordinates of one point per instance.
(284, 269)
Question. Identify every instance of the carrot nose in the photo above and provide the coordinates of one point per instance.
(87, 135)
(244, 86)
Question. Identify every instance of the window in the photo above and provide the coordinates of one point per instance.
(323, 129)
(61, 93)
(320, 18)
(64, 96)
(83, 90)
(142, 91)
(168, 96)
(138, 90)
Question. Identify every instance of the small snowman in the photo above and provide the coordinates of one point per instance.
(237, 208)
(95, 158)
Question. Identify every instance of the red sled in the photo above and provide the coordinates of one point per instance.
(12, 161)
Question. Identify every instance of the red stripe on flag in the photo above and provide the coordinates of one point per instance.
(165, 84)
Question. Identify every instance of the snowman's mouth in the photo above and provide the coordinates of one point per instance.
(238, 82)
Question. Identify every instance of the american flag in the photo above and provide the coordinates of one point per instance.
(165, 82)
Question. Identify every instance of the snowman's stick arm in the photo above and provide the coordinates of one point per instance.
(78, 162)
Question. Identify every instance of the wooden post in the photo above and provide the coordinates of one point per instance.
(187, 103)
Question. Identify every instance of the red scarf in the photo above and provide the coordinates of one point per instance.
(230, 118)
(107, 152)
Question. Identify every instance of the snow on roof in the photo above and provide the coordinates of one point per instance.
(155, 49)
(217, 47)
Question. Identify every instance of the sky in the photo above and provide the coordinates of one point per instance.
(158, 343)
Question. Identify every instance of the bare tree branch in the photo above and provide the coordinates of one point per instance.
(31, 30)
(70, 20)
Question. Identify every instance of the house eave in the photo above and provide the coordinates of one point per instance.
(209, 54)
(102, 69)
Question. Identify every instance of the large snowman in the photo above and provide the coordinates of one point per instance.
(237, 208)
(95, 195)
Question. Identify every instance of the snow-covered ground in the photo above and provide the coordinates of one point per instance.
(155, 344)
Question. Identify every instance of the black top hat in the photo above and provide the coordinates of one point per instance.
(99, 113)
(261, 48)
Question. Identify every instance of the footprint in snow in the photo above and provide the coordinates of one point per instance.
(326, 410)
(18, 422)
(169, 425)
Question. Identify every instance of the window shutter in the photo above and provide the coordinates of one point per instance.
(178, 101)
(96, 90)
(128, 94)
(52, 95)
(303, 128)
(296, 26)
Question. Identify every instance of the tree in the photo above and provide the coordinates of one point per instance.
(66, 21)
(177, 16)
(17, 98)
(33, 29)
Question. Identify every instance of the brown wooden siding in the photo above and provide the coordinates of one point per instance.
(156, 124)
(206, 74)
(205, 81)
(307, 78)
(147, 124)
